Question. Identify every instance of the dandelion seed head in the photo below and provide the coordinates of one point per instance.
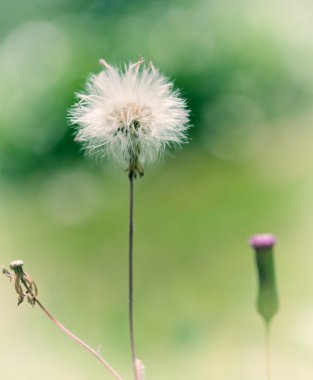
(129, 113)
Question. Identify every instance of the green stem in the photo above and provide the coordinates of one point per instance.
(268, 352)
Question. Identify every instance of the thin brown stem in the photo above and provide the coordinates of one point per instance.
(130, 273)
(79, 341)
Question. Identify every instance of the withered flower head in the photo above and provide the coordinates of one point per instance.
(23, 283)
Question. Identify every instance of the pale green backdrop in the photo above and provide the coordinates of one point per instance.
(246, 69)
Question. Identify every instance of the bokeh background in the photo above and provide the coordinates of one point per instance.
(246, 69)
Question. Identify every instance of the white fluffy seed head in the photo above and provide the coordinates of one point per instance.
(129, 113)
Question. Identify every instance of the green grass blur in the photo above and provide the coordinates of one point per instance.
(246, 69)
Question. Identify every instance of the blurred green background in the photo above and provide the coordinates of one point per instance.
(246, 69)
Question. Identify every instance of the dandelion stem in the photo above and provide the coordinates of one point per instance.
(268, 352)
(130, 273)
(79, 341)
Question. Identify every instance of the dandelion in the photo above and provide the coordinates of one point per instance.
(130, 115)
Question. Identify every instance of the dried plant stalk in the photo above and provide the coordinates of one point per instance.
(25, 287)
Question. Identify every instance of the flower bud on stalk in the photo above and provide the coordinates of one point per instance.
(267, 301)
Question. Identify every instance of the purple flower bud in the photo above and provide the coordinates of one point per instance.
(262, 241)
(267, 301)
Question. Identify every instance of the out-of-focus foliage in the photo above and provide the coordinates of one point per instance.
(240, 64)
(246, 69)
